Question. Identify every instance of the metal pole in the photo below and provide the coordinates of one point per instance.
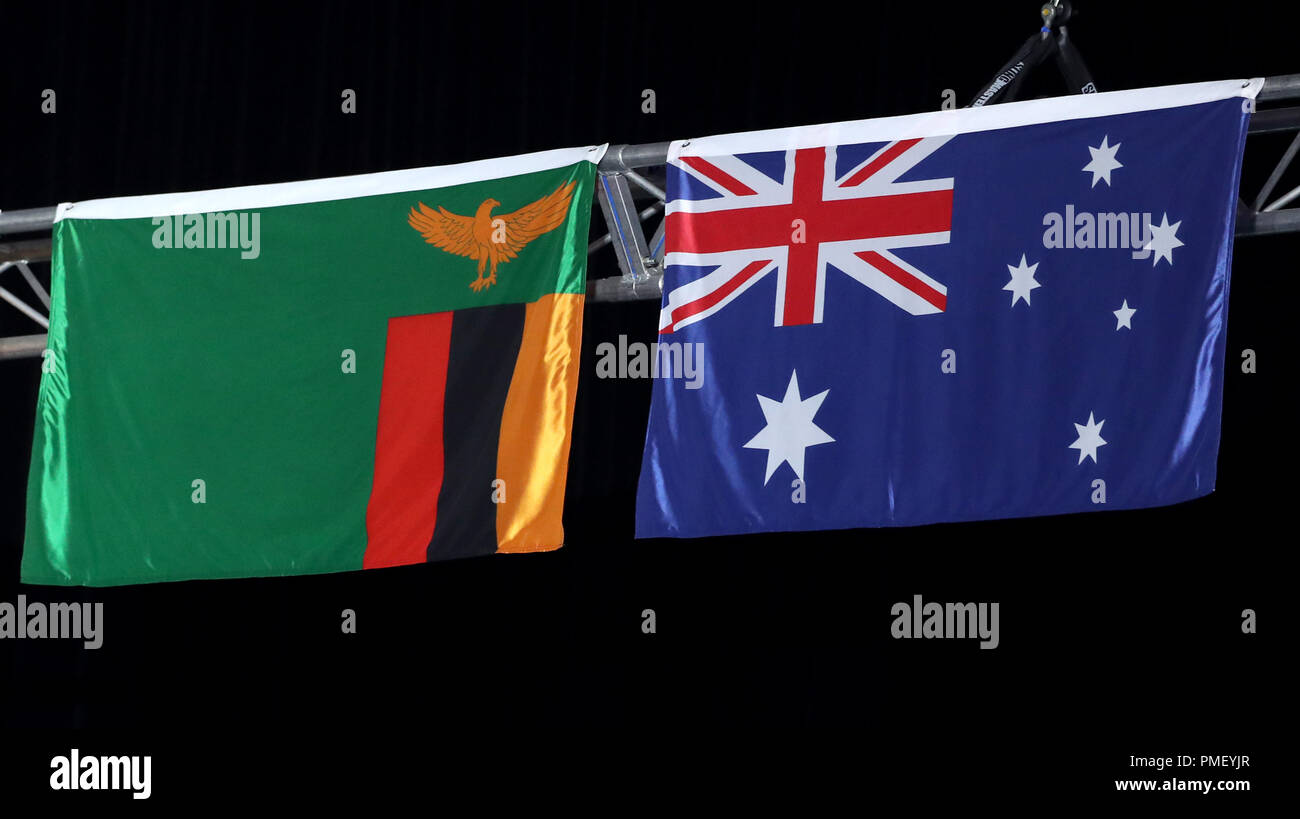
(34, 284)
(26, 221)
(1281, 87)
(22, 346)
(27, 250)
(624, 157)
(24, 308)
(647, 186)
(1284, 199)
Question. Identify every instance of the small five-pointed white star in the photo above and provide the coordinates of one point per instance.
(1022, 281)
(1124, 316)
(1089, 439)
(1103, 161)
(790, 429)
(1164, 238)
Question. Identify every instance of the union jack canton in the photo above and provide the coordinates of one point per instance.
(796, 212)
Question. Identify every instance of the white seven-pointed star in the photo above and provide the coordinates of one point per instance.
(1164, 238)
(1089, 439)
(790, 429)
(1103, 161)
(1022, 281)
(1124, 316)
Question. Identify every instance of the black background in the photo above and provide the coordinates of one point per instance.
(1120, 631)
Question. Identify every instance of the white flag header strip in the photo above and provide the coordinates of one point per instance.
(253, 197)
(967, 120)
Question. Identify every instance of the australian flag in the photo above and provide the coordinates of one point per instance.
(985, 313)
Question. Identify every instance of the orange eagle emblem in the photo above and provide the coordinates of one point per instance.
(491, 240)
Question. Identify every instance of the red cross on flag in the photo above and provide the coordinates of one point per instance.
(740, 217)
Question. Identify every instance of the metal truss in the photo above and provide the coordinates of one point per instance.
(1262, 216)
(640, 261)
(32, 345)
(629, 194)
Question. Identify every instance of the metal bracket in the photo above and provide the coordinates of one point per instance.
(624, 222)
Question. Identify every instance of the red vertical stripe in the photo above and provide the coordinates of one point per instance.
(801, 273)
(403, 506)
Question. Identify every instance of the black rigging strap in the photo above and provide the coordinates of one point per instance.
(1051, 40)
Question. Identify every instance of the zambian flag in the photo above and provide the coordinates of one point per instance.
(311, 377)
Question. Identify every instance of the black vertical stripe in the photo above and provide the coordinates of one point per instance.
(484, 348)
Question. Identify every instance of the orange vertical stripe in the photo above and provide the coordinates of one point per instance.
(533, 453)
(403, 506)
